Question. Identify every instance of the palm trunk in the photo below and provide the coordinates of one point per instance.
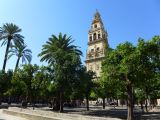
(17, 63)
(130, 102)
(6, 54)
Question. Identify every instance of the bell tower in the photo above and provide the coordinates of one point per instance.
(97, 43)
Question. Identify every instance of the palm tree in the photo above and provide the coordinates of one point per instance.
(56, 52)
(9, 32)
(20, 51)
(53, 50)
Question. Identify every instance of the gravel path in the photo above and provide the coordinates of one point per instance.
(9, 117)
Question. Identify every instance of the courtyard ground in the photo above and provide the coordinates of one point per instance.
(9, 117)
(95, 111)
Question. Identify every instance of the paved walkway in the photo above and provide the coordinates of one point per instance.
(9, 117)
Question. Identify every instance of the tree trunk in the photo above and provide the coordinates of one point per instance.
(146, 103)
(9, 100)
(141, 102)
(117, 102)
(33, 99)
(114, 103)
(61, 101)
(0, 99)
(87, 102)
(17, 63)
(103, 103)
(6, 54)
(130, 102)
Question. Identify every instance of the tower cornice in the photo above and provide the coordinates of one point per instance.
(94, 59)
(97, 41)
(94, 30)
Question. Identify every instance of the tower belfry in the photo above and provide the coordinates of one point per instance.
(97, 43)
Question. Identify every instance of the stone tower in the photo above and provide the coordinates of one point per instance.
(97, 43)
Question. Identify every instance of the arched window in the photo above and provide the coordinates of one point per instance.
(95, 26)
(94, 36)
(90, 38)
(92, 50)
(99, 36)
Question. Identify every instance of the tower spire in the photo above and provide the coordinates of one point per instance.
(97, 17)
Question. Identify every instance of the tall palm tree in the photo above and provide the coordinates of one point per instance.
(20, 51)
(57, 52)
(9, 32)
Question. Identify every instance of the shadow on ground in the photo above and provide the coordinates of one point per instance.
(119, 113)
(151, 116)
(113, 113)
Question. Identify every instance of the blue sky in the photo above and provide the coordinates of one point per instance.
(124, 20)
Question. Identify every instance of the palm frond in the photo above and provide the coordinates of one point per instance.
(4, 42)
(11, 28)
(10, 55)
(19, 49)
